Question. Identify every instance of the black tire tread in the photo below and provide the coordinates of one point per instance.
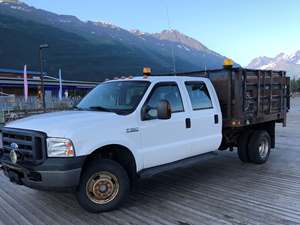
(243, 146)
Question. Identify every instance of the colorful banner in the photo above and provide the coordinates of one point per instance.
(25, 84)
(60, 86)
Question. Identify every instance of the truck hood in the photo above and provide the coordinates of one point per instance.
(63, 124)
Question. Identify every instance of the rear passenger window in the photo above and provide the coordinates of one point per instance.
(199, 95)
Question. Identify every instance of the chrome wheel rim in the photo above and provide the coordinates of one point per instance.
(263, 148)
(102, 187)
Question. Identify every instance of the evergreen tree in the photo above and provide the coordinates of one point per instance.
(295, 85)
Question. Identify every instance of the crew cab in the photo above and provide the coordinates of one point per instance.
(129, 128)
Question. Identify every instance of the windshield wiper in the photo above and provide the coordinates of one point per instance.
(100, 108)
(77, 108)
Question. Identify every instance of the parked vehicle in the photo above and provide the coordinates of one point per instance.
(130, 128)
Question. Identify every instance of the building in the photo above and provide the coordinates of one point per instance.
(12, 83)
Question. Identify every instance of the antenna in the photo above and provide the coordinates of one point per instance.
(172, 46)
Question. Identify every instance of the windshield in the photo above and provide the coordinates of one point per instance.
(121, 97)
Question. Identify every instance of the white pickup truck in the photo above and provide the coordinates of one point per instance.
(122, 130)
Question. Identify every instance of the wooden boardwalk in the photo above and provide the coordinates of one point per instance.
(219, 191)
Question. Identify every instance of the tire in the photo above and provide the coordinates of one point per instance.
(259, 147)
(243, 146)
(107, 175)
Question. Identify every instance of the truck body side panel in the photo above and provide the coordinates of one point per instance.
(249, 97)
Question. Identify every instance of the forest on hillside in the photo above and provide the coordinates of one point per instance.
(295, 85)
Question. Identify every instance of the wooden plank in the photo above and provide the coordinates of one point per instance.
(244, 90)
(271, 92)
(282, 88)
(264, 91)
(229, 94)
(258, 92)
(221, 190)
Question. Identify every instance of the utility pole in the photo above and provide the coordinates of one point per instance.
(43, 46)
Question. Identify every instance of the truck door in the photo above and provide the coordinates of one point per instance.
(206, 124)
(164, 141)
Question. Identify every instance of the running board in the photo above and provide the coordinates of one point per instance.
(146, 173)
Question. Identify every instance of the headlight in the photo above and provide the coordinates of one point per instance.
(60, 147)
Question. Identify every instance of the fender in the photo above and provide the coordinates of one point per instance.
(130, 147)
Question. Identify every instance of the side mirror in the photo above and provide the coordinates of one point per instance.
(144, 113)
(164, 110)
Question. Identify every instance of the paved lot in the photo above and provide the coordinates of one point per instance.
(219, 191)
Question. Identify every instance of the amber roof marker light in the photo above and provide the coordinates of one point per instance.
(147, 71)
(228, 63)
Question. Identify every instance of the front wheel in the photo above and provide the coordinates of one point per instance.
(103, 187)
(259, 147)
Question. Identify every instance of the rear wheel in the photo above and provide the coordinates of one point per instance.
(103, 187)
(259, 147)
(243, 146)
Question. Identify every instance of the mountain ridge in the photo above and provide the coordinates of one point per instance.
(95, 49)
(282, 61)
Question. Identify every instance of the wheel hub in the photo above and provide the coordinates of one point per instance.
(263, 148)
(102, 187)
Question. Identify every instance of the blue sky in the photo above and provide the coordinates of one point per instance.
(239, 29)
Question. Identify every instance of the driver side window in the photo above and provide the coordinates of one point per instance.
(169, 92)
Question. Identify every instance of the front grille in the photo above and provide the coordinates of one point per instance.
(30, 144)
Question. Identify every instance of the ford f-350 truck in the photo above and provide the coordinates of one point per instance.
(129, 128)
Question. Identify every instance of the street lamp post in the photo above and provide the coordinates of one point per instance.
(43, 46)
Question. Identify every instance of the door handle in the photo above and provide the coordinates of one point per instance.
(216, 117)
(188, 123)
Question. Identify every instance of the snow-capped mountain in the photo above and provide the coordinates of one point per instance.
(283, 61)
(176, 36)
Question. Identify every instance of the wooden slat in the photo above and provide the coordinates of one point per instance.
(221, 190)
(258, 92)
(271, 91)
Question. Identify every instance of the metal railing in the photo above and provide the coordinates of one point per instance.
(2, 118)
(14, 107)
